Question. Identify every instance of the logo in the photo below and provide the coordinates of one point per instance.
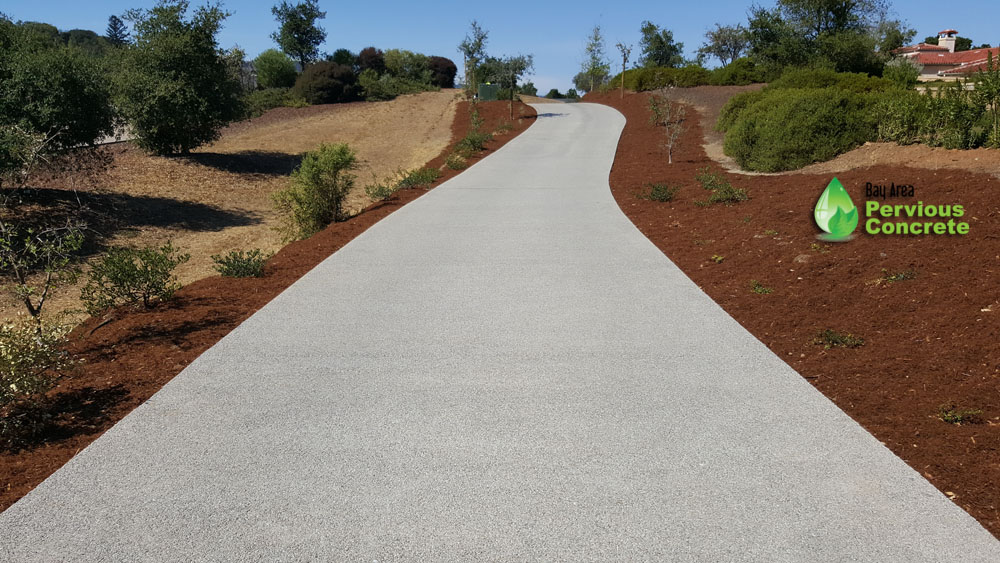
(835, 213)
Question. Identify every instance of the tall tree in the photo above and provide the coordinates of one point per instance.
(725, 42)
(298, 33)
(658, 47)
(473, 49)
(815, 18)
(595, 63)
(117, 33)
(507, 71)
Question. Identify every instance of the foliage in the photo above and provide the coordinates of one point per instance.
(595, 65)
(133, 277)
(260, 101)
(717, 258)
(117, 33)
(554, 94)
(401, 63)
(784, 129)
(473, 49)
(174, 86)
(669, 115)
(953, 414)
(298, 33)
(954, 119)
(275, 69)
(658, 48)
(372, 59)
(344, 57)
(386, 87)
(658, 192)
(318, 188)
(326, 83)
(739, 72)
(987, 94)
(39, 260)
(528, 89)
(759, 288)
(825, 78)
(902, 72)
(721, 190)
(241, 264)
(442, 71)
(456, 162)
(726, 43)
(418, 178)
(900, 117)
(832, 339)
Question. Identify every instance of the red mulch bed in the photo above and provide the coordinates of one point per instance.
(130, 358)
(928, 341)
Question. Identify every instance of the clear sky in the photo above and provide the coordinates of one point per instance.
(554, 32)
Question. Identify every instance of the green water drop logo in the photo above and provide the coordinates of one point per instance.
(835, 213)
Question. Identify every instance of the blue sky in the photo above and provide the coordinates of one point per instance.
(553, 32)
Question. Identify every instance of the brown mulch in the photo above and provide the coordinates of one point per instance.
(928, 341)
(128, 359)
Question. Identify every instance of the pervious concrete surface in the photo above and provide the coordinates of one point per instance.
(503, 370)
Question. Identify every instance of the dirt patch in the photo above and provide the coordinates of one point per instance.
(128, 359)
(928, 341)
(709, 101)
(218, 198)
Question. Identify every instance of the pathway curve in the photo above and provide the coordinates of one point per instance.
(505, 369)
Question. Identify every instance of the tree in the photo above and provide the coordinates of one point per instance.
(371, 58)
(814, 18)
(298, 34)
(344, 57)
(508, 70)
(666, 113)
(327, 82)
(117, 33)
(595, 63)
(443, 72)
(275, 69)
(175, 87)
(726, 43)
(38, 260)
(891, 35)
(473, 49)
(625, 50)
(658, 47)
(529, 89)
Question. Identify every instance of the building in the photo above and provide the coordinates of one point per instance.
(943, 61)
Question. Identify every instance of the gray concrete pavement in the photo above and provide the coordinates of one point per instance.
(503, 370)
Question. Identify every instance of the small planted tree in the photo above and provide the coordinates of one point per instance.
(298, 33)
(595, 64)
(508, 71)
(669, 115)
(473, 49)
(136, 277)
(39, 260)
(625, 50)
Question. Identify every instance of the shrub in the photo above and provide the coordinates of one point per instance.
(953, 414)
(31, 357)
(128, 276)
(326, 83)
(318, 188)
(659, 192)
(954, 121)
(857, 83)
(240, 264)
(401, 63)
(443, 72)
(740, 72)
(721, 190)
(275, 69)
(473, 142)
(373, 59)
(759, 288)
(260, 101)
(899, 116)
(790, 128)
(654, 78)
(376, 88)
(901, 72)
(833, 339)
(344, 57)
(735, 106)
(456, 162)
(418, 178)
(175, 87)
(381, 191)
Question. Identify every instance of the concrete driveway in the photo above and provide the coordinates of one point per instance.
(503, 370)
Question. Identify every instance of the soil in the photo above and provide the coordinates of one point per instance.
(928, 341)
(218, 198)
(128, 355)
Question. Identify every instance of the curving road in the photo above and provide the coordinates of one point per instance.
(505, 369)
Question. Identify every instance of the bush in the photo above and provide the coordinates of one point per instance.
(954, 121)
(373, 59)
(275, 69)
(175, 87)
(260, 101)
(326, 83)
(658, 192)
(128, 276)
(900, 117)
(381, 191)
(375, 88)
(654, 78)
(735, 106)
(401, 63)
(418, 178)
(473, 142)
(318, 188)
(240, 264)
(901, 72)
(790, 128)
(833, 339)
(456, 162)
(825, 78)
(721, 190)
(740, 72)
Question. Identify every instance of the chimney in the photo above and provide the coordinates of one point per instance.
(946, 38)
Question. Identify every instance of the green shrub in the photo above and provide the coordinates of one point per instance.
(790, 128)
(240, 264)
(260, 101)
(456, 162)
(375, 87)
(857, 83)
(953, 414)
(902, 72)
(381, 191)
(740, 72)
(418, 178)
(899, 116)
(326, 82)
(318, 187)
(735, 107)
(833, 339)
(658, 192)
(473, 142)
(654, 78)
(721, 190)
(275, 69)
(128, 276)
(954, 120)
(759, 288)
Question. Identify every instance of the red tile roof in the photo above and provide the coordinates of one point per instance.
(956, 59)
(918, 48)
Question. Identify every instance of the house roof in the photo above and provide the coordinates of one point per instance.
(958, 58)
(947, 31)
(971, 67)
(918, 48)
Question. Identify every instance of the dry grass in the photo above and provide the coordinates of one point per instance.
(218, 198)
